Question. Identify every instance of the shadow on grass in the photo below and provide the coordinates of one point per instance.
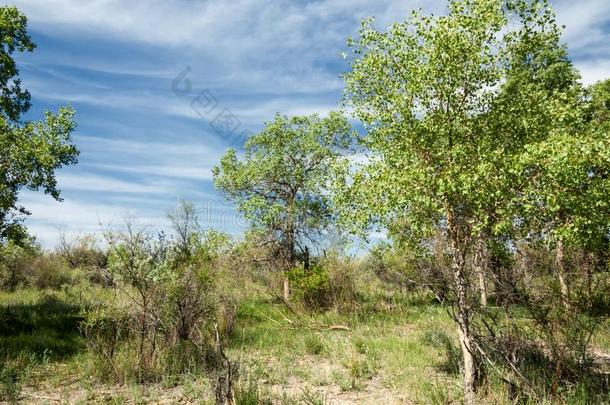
(46, 329)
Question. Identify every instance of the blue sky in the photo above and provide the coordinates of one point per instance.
(149, 138)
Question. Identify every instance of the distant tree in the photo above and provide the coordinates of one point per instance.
(449, 104)
(565, 198)
(185, 223)
(280, 183)
(30, 152)
(15, 257)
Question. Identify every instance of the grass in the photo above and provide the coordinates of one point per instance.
(392, 347)
(384, 346)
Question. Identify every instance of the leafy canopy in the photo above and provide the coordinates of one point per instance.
(449, 104)
(280, 183)
(30, 151)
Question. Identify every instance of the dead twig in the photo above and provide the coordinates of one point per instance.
(41, 397)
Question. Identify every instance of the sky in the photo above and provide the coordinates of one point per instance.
(163, 88)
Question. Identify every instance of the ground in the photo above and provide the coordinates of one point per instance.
(384, 350)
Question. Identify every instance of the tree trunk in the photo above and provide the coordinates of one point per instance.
(286, 289)
(290, 258)
(481, 263)
(463, 309)
(465, 336)
(561, 273)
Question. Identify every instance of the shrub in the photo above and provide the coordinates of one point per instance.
(168, 317)
(83, 252)
(50, 271)
(412, 269)
(16, 262)
(328, 282)
(539, 342)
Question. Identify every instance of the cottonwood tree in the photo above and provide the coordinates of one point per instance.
(449, 104)
(565, 198)
(30, 152)
(279, 185)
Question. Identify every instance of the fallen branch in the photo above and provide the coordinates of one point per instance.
(338, 327)
(41, 397)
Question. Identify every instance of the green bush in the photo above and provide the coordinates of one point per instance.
(168, 313)
(328, 282)
(313, 286)
(51, 272)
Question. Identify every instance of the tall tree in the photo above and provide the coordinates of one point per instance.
(280, 183)
(565, 198)
(449, 103)
(30, 151)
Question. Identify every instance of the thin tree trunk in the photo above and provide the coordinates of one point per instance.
(291, 260)
(463, 310)
(561, 273)
(481, 263)
(465, 336)
(286, 289)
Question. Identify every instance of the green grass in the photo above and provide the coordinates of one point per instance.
(46, 326)
(397, 347)
(385, 343)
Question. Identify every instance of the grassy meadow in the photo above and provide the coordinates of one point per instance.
(389, 345)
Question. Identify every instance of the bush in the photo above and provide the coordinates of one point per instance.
(427, 269)
(85, 254)
(16, 262)
(539, 342)
(328, 282)
(50, 271)
(168, 316)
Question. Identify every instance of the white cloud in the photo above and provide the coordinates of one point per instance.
(256, 57)
(187, 170)
(594, 70)
(92, 182)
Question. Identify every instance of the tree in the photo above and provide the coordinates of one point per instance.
(14, 258)
(185, 222)
(449, 104)
(31, 151)
(565, 201)
(280, 183)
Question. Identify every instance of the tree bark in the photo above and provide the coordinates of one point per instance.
(457, 245)
(290, 257)
(481, 264)
(464, 333)
(286, 289)
(561, 273)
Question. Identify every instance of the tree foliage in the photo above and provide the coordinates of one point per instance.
(475, 123)
(31, 151)
(280, 183)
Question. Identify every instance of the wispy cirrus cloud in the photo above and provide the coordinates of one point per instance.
(143, 146)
